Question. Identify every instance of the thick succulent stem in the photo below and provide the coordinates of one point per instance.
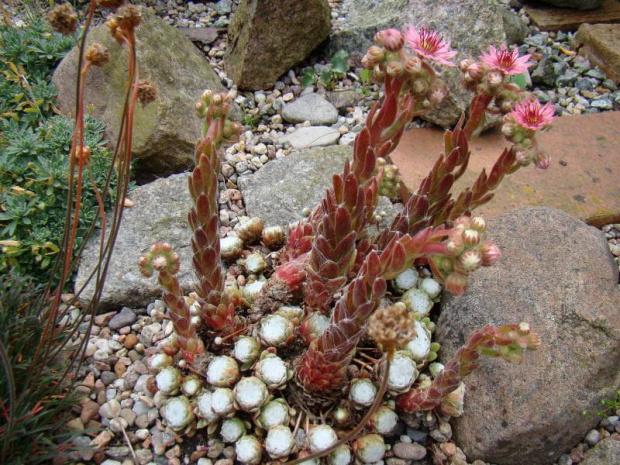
(217, 311)
(508, 342)
(165, 261)
(322, 368)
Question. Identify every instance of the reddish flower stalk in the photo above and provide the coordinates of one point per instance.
(165, 261)
(322, 368)
(509, 342)
(217, 309)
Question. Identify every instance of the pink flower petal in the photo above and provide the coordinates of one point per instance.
(429, 44)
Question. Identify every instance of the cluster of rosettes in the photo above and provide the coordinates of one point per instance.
(465, 251)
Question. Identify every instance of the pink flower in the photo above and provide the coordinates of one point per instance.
(506, 61)
(429, 44)
(531, 115)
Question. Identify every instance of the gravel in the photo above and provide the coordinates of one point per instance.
(115, 380)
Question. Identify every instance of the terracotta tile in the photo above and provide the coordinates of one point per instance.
(583, 179)
(549, 18)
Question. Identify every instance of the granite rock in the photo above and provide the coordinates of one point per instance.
(557, 274)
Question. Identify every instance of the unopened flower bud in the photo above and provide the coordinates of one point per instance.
(509, 130)
(437, 94)
(494, 78)
(542, 160)
(413, 65)
(490, 253)
(475, 71)
(419, 87)
(523, 157)
(98, 55)
(470, 237)
(470, 260)
(466, 63)
(456, 283)
(378, 75)
(391, 39)
(452, 404)
(455, 246)
(374, 55)
(394, 68)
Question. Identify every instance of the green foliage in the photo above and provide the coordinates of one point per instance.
(34, 153)
(251, 120)
(29, 418)
(328, 78)
(28, 56)
(609, 406)
(34, 182)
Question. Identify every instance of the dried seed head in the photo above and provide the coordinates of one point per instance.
(128, 16)
(64, 19)
(98, 55)
(147, 92)
(391, 326)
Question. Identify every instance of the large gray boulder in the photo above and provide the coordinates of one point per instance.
(164, 131)
(159, 214)
(267, 38)
(557, 274)
(470, 25)
(575, 4)
(282, 189)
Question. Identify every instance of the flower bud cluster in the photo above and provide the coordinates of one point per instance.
(390, 59)
(465, 251)
(390, 181)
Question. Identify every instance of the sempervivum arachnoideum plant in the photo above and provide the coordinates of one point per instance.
(312, 351)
